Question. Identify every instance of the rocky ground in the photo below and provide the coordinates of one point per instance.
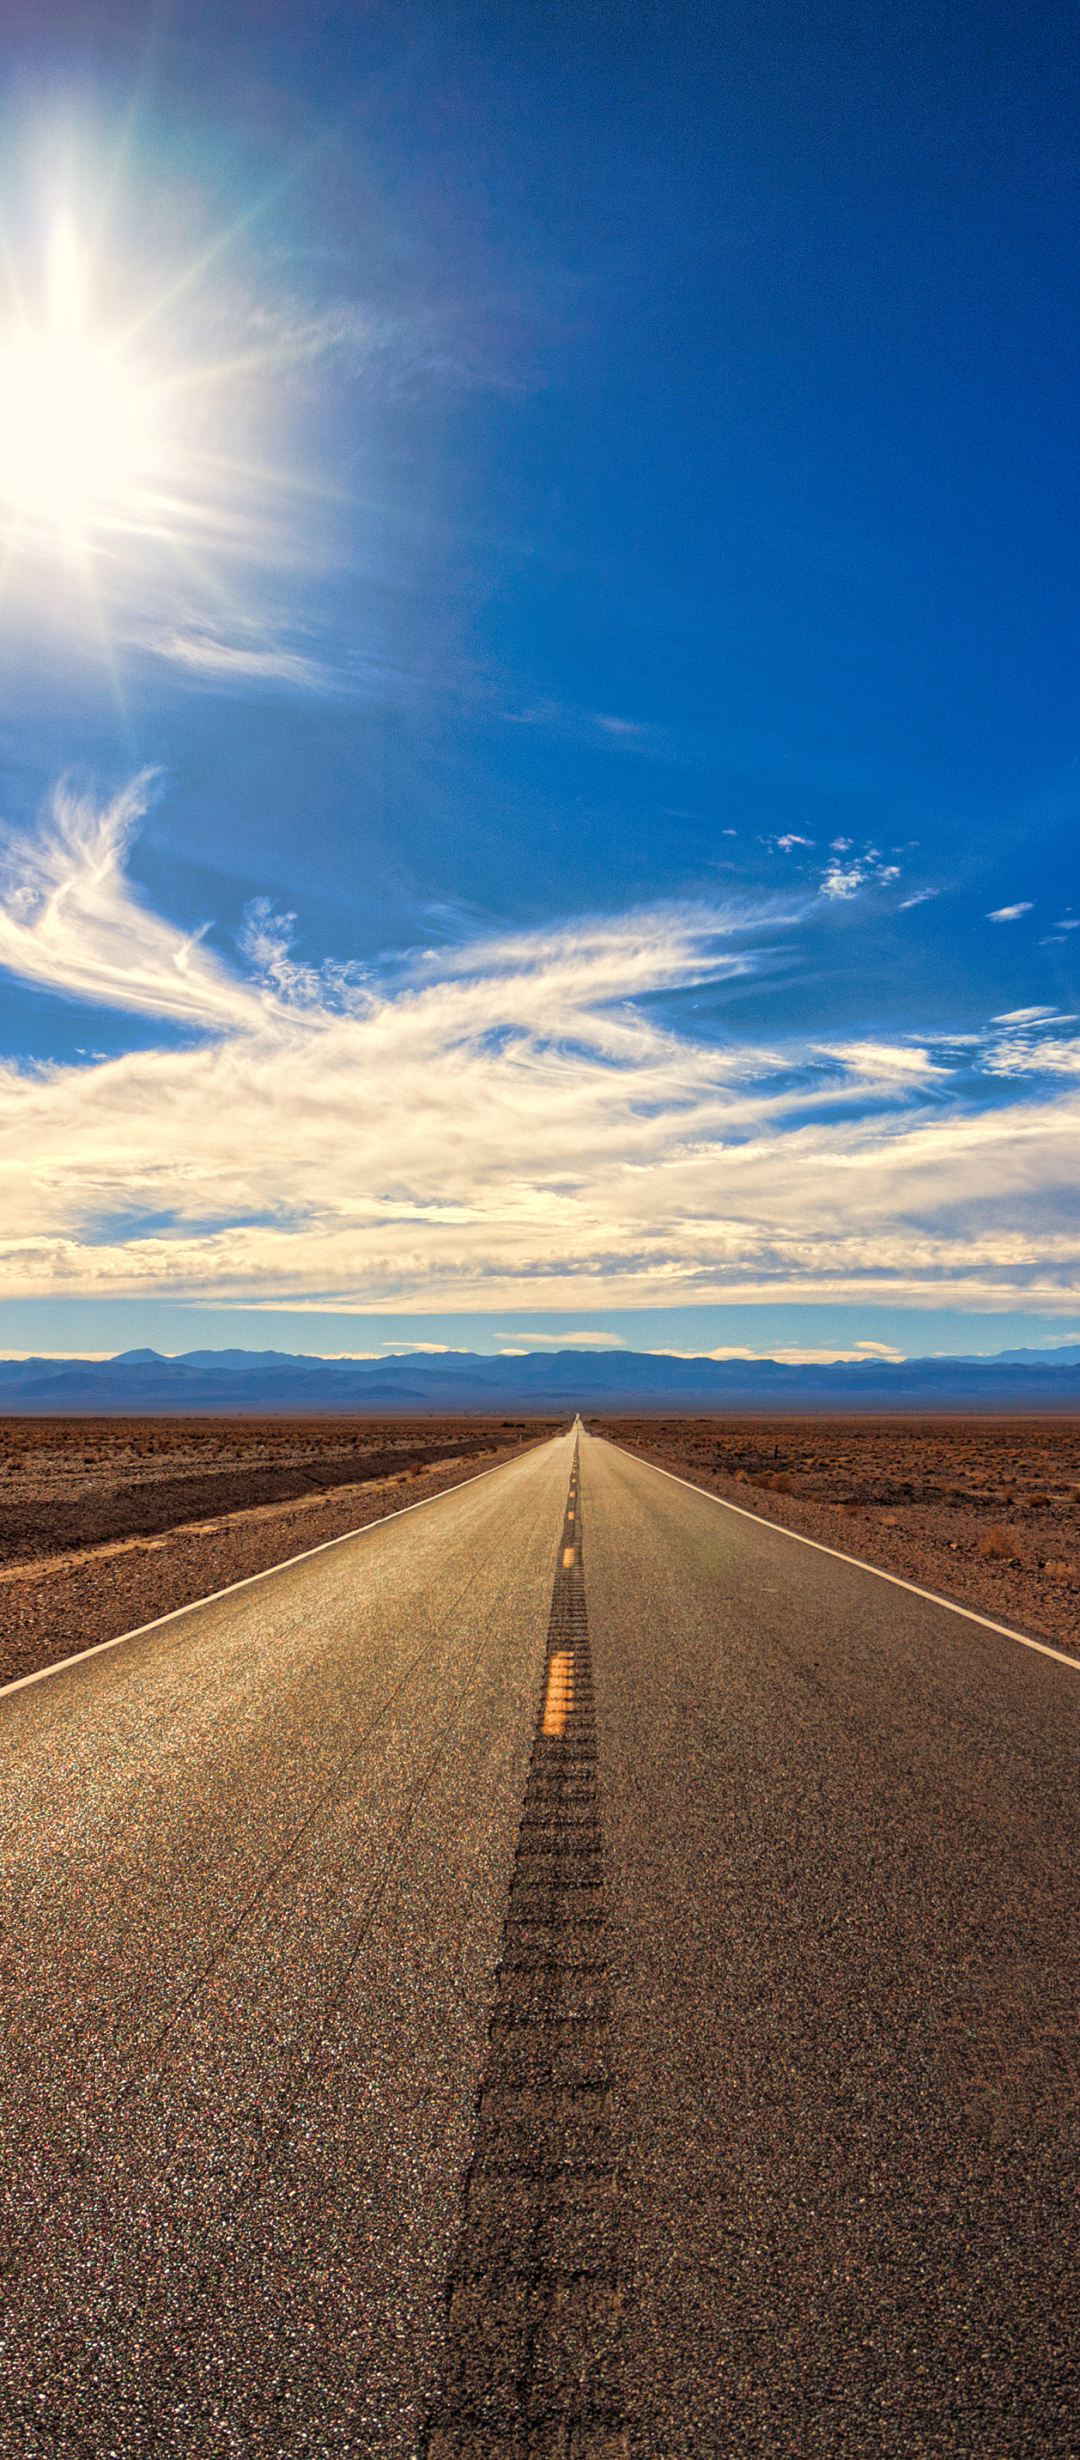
(984, 1511)
(107, 1523)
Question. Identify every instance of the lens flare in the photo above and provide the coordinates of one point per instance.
(76, 426)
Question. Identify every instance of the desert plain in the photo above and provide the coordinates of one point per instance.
(107, 1523)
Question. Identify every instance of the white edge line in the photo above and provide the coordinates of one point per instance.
(855, 1561)
(23, 1681)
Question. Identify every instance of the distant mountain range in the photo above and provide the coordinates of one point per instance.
(540, 1383)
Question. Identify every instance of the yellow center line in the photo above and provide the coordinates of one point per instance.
(559, 1696)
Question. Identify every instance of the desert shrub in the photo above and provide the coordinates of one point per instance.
(998, 1545)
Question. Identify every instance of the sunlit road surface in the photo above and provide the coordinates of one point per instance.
(255, 1872)
(843, 1843)
(529, 1984)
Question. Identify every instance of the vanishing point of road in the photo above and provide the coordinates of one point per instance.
(571, 1970)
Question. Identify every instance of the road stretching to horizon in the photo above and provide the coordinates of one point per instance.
(568, 1971)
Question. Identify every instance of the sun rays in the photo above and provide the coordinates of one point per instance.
(78, 440)
(150, 483)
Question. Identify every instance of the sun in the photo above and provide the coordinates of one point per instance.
(77, 440)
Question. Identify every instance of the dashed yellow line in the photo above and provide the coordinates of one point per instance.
(559, 1696)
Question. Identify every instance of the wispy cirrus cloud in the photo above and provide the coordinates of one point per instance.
(213, 660)
(71, 921)
(503, 1122)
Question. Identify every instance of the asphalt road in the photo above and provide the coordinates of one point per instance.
(255, 1869)
(843, 1844)
(523, 1983)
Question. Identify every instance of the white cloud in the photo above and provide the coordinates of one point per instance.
(71, 920)
(842, 880)
(1027, 1016)
(407, 1349)
(786, 843)
(202, 654)
(567, 718)
(562, 1341)
(883, 1063)
(836, 882)
(1011, 913)
(800, 1355)
(502, 1123)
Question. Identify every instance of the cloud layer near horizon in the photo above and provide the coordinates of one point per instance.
(502, 1123)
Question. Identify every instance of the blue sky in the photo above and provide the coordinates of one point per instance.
(539, 751)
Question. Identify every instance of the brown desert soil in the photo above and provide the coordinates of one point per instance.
(105, 1524)
(983, 1511)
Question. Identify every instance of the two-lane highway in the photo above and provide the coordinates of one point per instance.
(763, 1873)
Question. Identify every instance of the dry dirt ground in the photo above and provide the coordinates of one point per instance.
(982, 1510)
(106, 1523)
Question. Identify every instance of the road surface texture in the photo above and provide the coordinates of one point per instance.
(256, 1867)
(842, 1846)
(572, 1971)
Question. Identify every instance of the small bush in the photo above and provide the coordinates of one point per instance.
(998, 1545)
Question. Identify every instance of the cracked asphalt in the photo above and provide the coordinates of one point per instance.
(258, 1868)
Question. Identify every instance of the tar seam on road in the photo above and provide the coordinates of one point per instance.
(101, 1647)
(534, 2296)
(1041, 1647)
